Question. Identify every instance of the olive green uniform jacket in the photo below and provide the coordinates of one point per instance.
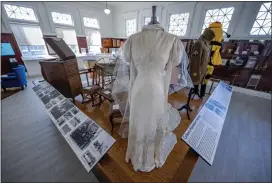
(200, 56)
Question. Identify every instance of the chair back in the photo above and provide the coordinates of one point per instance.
(21, 74)
(98, 76)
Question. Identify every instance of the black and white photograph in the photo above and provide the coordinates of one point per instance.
(85, 133)
(53, 101)
(38, 87)
(60, 98)
(51, 95)
(102, 143)
(48, 106)
(40, 95)
(60, 109)
(74, 122)
(89, 158)
(38, 92)
(74, 110)
(66, 129)
(47, 89)
(80, 117)
(100, 146)
(68, 115)
(61, 121)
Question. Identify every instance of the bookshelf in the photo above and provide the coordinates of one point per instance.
(111, 45)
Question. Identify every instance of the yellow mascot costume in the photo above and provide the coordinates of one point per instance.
(215, 57)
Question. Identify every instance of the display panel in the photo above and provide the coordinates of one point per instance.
(7, 50)
(86, 138)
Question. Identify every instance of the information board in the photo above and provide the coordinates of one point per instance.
(86, 138)
(204, 132)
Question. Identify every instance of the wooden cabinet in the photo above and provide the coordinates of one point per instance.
(63, 75)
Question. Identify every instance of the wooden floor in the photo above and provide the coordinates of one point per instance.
(34, 150)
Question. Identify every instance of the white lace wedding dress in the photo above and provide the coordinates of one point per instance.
(152, 53)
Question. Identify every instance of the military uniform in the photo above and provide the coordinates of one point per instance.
(215, 57)
(200, 56)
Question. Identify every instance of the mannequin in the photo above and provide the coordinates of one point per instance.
(153, 18)
(215, 56)
(144, 70)
(199, 58)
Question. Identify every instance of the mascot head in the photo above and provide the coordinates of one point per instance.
(218, 31)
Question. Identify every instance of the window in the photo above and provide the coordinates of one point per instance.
(90, 22)
(20, 13)
(178, 24)
(222, 15)
(148, 19)
(62, 18)
(130, 27)
(69, 36)
(93, 40)
(93, 35)
(29, 45)
(262, 24)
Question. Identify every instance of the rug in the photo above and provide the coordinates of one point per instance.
(9, 92)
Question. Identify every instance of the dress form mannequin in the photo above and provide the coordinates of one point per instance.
(199, 58)
(150, 55)
(153, 18)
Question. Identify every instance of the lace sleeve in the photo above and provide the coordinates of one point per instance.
(174, 60)
(176, 52)
(128, 58)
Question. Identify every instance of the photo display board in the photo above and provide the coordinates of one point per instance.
(204, 132)
(87, 139)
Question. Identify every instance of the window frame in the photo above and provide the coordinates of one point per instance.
(255, 19)
(187, 26)
(29, 25)
(15, 20)
(126, 26)
(88, 27)
(206, 11)
(238, 7)
(92, 29)
(63, 27)
(61, 24)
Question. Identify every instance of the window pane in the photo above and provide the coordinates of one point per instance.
(90, 22)
(62, 18)
(178, 24)
(21, 13)
(130, 27)
(93, 37)
(69, 36)
(222, 15)
(148, 19)
(262, 24)
(29, 45)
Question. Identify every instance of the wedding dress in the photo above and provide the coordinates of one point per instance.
(150, 56)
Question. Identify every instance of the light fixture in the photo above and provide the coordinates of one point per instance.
(107, 11)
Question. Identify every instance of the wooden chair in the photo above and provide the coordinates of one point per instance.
(90, 92)
(108, 65)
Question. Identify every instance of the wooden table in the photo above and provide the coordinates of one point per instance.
(178, 166)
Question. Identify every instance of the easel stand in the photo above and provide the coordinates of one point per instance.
(187, 105)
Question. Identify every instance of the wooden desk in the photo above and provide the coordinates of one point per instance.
(178, 166)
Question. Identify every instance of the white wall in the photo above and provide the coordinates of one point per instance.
(241, 23)
(76, 9)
